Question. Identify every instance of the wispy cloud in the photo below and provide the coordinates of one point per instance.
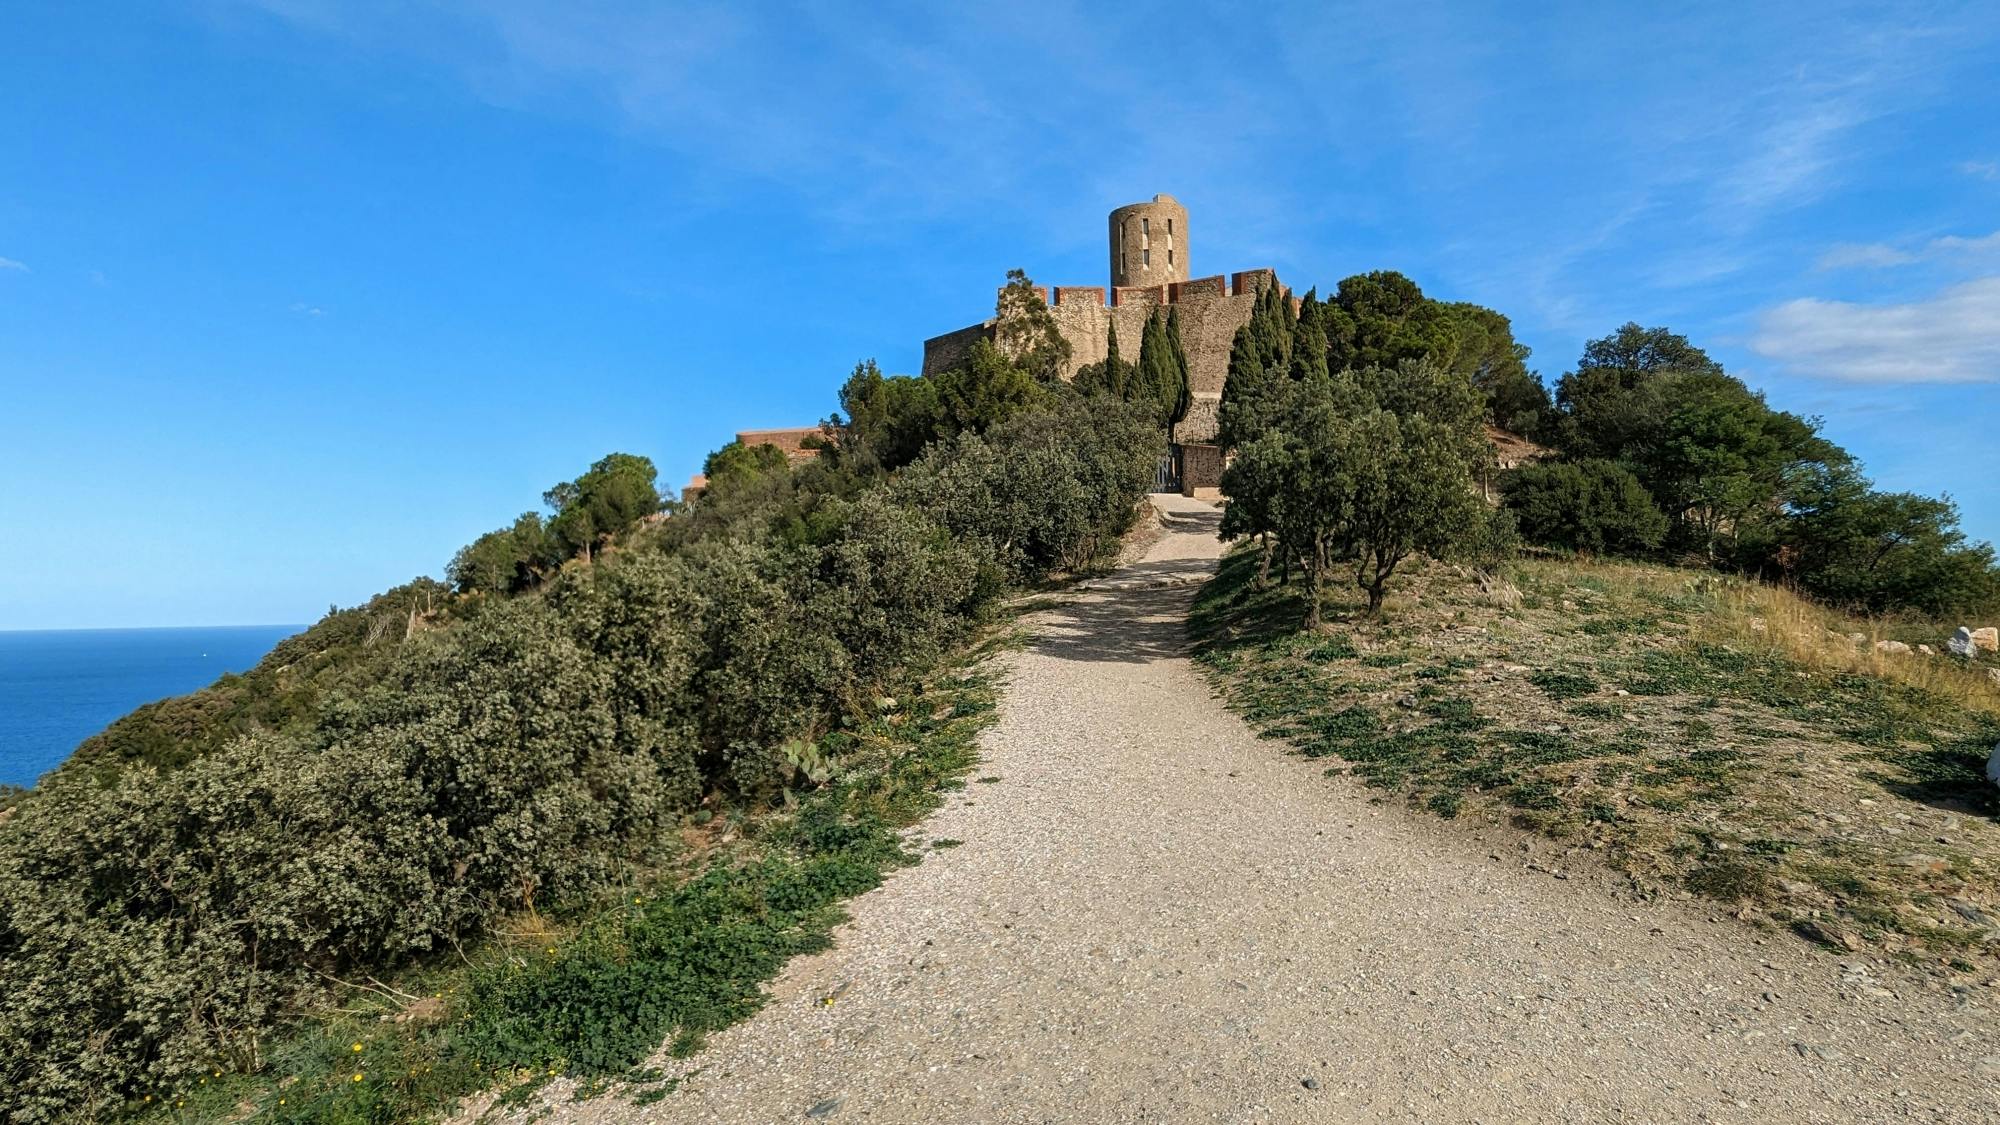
(1984, 169)
(871, 121)
(1850, 255)
(1952, 337)
(304, 309)
(11, 264)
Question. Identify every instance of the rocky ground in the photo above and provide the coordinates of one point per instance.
(1152, 915)
(1647, 715)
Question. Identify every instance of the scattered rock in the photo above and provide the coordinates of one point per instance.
(1960, 643)
(1828, 934)
(1309, 1083)
(1970, 912)
(1993, 765)
(1891, 646)
(1988, 1067)
(1918, 862)
(1987, 638)
(1856, 638)
(1757, 625)
(825, 1109)
(1927, 650)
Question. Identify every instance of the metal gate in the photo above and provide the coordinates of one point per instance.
(1167, 471)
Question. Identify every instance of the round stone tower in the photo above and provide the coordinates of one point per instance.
(1149, 243)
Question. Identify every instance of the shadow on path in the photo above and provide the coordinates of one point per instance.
(1139, 613)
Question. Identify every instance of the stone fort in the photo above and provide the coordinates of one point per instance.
(1148, 245)
(1149, 253)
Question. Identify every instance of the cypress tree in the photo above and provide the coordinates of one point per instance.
(1309, 349)
(1181, 398)
(1114, 368)
(1271, 327)
(1152, 385)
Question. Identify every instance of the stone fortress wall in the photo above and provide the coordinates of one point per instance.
(1149, 269)
(1211, 309)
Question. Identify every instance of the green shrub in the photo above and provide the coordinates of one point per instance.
(1593, 505)
(397, 778)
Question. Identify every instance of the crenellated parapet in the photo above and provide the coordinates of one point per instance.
(1149, 258)
(1210, 310)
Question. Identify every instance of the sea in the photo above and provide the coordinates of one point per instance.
(59, 687)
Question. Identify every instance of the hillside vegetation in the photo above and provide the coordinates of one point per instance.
(1704, 735)
(1707, 733)
(581, 801)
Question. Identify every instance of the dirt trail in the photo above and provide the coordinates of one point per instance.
(1157, 917)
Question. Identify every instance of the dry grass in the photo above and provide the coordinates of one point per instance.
(1704, 735)
(1779, 622)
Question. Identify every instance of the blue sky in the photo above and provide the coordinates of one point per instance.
(297, 297)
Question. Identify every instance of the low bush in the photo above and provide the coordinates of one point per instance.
(1594, 506)
(425, 768)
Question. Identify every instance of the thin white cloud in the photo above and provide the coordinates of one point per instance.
(1984, 169)
(1952, 337)
(1851, 255)
(11, 264)
(307, 310)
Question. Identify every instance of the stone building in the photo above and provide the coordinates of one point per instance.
(797, 443)
(1149, 252)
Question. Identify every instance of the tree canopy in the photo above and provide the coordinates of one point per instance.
(616, 493)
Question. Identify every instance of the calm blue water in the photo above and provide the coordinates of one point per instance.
(59, 688)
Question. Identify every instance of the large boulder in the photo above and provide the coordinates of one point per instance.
(1891, 646)
(1987, 638)
(1960, 643)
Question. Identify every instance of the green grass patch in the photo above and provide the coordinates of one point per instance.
(1563, 685)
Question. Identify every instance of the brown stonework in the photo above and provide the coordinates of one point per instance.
(1149, 243)
(1080, 295)
(1210, 309)
(942, 353)
(1203, 420)
(1248, 283)
(1208, 286)
(791, 441)
(1138, 296)
(1201, 470)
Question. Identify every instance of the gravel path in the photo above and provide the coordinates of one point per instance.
(1157, 917)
